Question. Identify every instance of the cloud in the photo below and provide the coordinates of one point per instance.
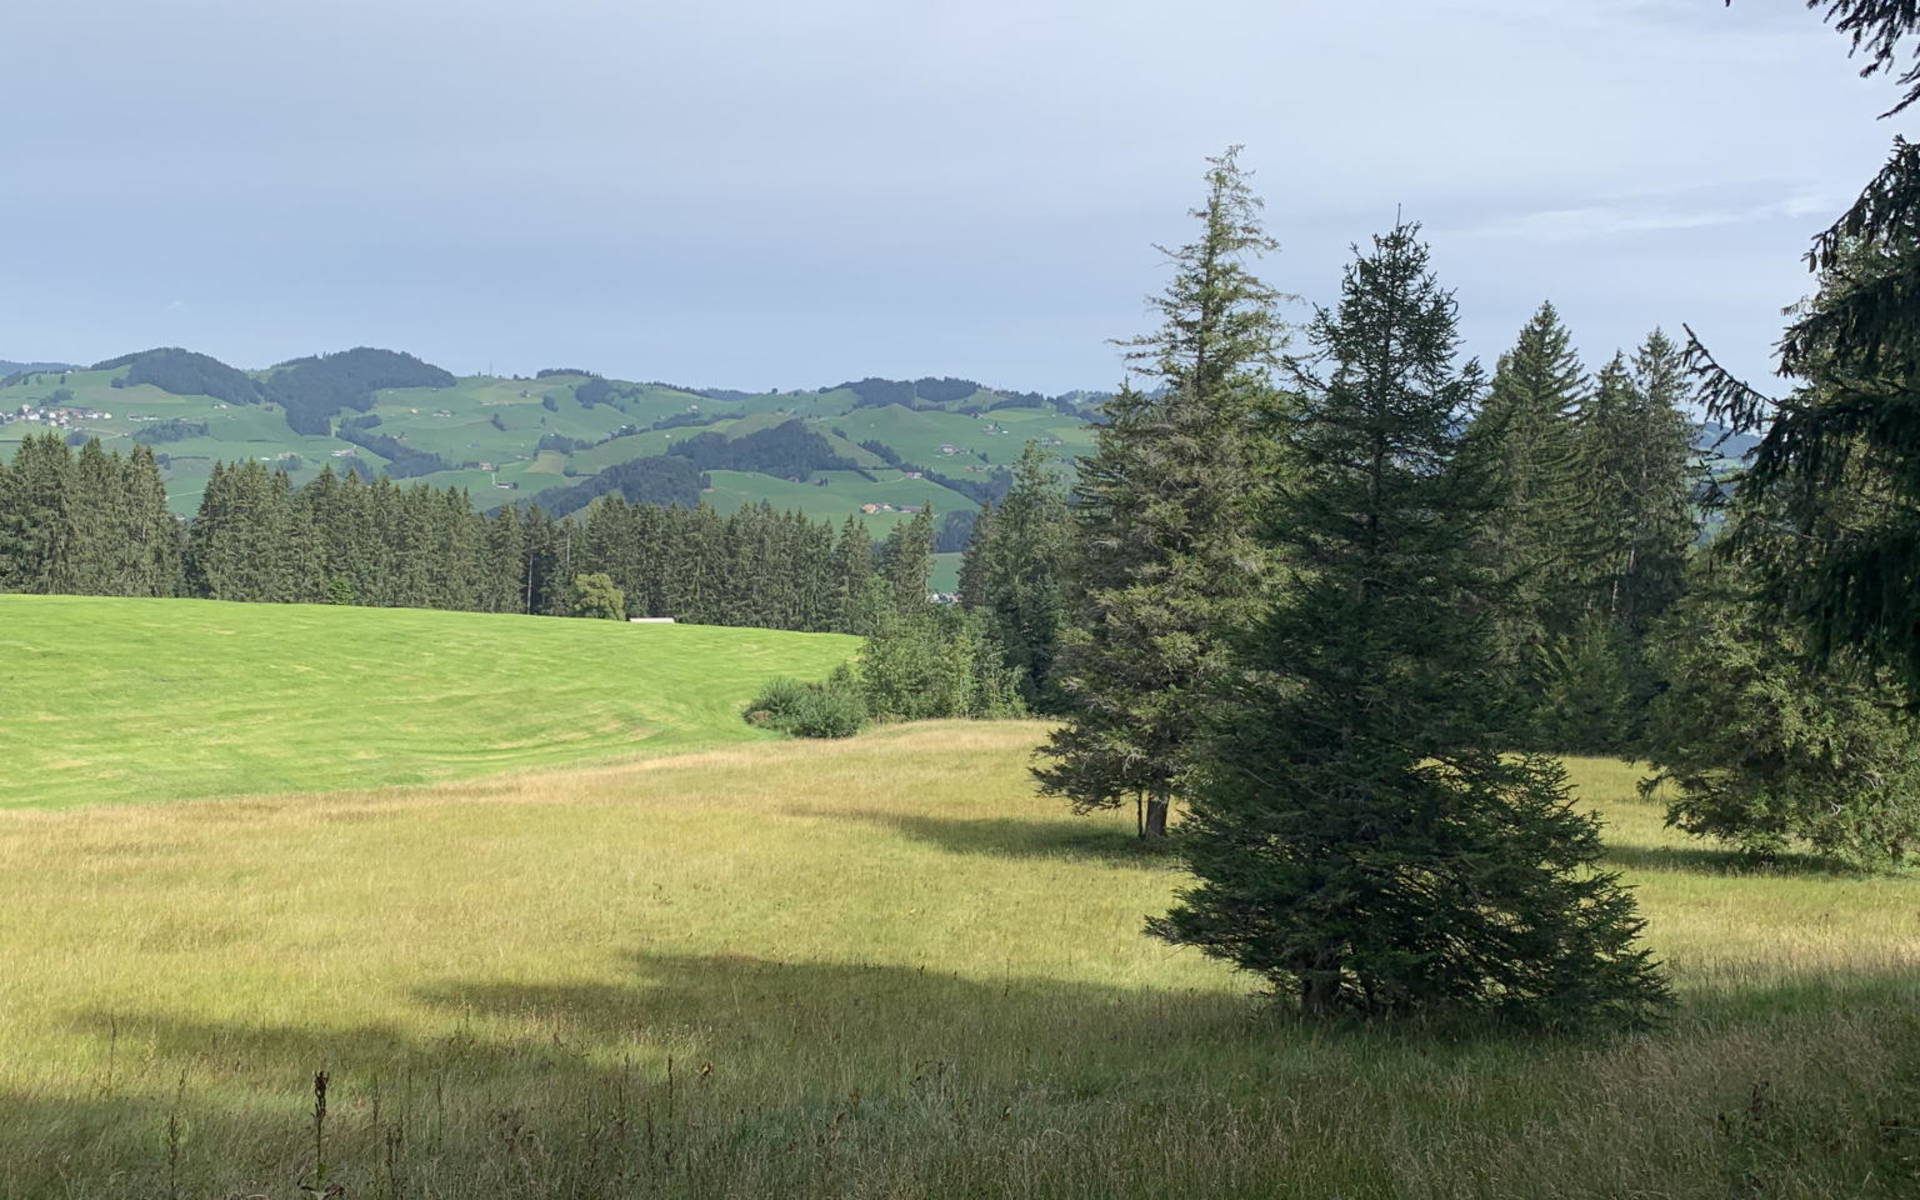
(1601, 222)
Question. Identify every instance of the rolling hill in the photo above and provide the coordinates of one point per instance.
(891, 444)
(113, 700)
(877, 449)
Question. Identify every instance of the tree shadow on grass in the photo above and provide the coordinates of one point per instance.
(776, 1059)
(1707, 860)
(729, 1057)
(790, 1015)
(1016, 837)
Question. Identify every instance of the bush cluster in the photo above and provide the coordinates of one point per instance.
(834, 708)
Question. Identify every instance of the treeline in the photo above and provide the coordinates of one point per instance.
(94, 523)
(982, 492)
(90, 523)
(1595, 494)
(942, 394)
(403, 461)
(312, 390)
(184, 373)
(658, 480)
(172, 430)
(789, 450)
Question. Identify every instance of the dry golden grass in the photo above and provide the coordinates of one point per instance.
(877, 968)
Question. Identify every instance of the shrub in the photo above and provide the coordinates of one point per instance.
(829, 710)
(835, 708)
(775, 703)
(596, 596)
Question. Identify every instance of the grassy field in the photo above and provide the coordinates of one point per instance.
(841, 496)
(876, 968)
(145, 700)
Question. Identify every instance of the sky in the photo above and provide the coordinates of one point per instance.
(776, 195)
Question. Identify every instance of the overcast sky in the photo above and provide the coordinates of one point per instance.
(779, 194)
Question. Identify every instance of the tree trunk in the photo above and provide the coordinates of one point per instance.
(1157, 806)
(1320, 990)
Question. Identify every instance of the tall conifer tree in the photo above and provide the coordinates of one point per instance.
(1360, 840)
(1643, 475)
(1013, 572)
(153, 557)
(36, 516)
(95, 498)
(1526, 436)
(1164, 561)
(906, 560)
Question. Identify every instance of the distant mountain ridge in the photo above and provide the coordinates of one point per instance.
(9, 368)
(348, 377)
(1718, 439)
(873, 449)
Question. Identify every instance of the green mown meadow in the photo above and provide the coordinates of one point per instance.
(114, 700)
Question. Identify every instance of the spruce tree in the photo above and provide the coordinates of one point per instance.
(1012, 573)
(973, 560)
(506, 562)
(95, 490)
(9, 547)
(36, 516)
(155, 537)
(852, 568)
(1626, 554)
(1526, 437)
(1856, 350)
(1359, 839)
(1643, 477)
(1163, 558)
(906, 561)
(1758, 745)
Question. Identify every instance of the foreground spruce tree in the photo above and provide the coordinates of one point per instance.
(1758, 745)
(1358, 837)
(1855, 420)
(1164, 563)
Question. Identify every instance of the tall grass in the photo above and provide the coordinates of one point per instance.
(877, 967)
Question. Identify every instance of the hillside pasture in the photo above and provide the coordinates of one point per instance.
(127, 701)
(874, 968)
(950, 443)
(500, 422)
(835, 495)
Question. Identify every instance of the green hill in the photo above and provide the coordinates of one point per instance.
(145, 700)
(512, 439)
